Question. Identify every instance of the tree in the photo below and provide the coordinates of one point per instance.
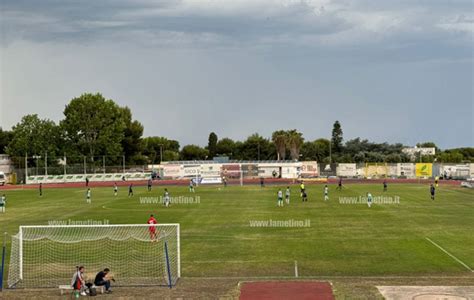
(212, 144)
(450, 156)
(94, 126)
(5, 138)
(295, 141)
(256, 147)
(34, 136)
(132, 143)
(193, 152)
(226, 147)
(280, 139)
(336, 140)
(155, 146)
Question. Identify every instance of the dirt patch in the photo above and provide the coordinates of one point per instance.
(297, 290)
(427, 292)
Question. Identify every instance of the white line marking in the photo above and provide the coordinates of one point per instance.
(452, 256)
(296, 269)
(330, 277)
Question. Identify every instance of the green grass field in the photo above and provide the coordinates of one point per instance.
(342, 240)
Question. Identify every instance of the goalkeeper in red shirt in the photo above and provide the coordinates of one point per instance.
(152, 229)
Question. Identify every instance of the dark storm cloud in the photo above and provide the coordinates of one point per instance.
(194, 60)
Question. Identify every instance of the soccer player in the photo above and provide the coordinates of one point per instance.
(149, 184)
(130, 190)
(224, 180)
(302, 188)
(339, 186)
(280, 198)
(326, 193)
(287, 195)
(87, 181)
(436, 181)
(102, 278)
(191, 186)
(166, 198)
(304, 196)
(3, 203)
(41, 189)
(384, 185)
(115, 189)
(262, 182)
(88, 196)
(152, 229)
(432, 191)
(369, 199)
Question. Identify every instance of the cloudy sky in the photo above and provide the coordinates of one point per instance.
(396, 71)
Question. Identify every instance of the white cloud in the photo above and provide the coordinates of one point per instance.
(459, 23)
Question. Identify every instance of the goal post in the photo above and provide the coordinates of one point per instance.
(136, 254)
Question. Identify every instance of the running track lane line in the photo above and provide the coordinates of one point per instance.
(452, 256)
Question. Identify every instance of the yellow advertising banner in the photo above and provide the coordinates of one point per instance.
(424, 170)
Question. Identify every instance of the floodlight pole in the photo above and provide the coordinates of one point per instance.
(330, 151)
(46, 163)
(65, 165)
(161, 153)
(26, 167)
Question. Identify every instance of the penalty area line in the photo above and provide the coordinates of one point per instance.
(452, 256)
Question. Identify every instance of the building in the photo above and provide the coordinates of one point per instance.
(413, 152)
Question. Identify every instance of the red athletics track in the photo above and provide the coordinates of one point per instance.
(283, 290)
(268, 181)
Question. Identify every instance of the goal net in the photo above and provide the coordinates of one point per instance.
(47, 256)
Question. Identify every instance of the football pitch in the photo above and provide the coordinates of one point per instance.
(241, 232)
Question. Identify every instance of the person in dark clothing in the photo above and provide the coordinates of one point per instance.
(87, 181)
(41, 189)
(130, 190)
(102, 278)
(150, 182)
(262, 182)
(432, 191)
(385, 185)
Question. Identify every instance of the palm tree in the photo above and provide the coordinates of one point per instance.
(295, 141)
(280, 139)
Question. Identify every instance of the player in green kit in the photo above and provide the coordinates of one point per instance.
(369, 200)
(3, 203)
(88, 196)
(280, 198)
(287, 195)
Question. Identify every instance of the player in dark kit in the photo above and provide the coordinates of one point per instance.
(130, 190)
(41, 189)
(149, 185)
(432, 191)
(304, 196)
(385, 185)
(339, 186)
